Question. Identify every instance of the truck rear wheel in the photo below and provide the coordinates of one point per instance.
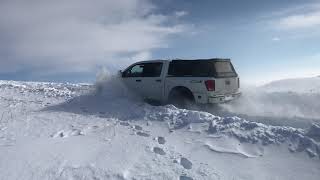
(181, 97)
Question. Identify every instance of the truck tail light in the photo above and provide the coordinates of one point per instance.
(211, 85)
(238, 82)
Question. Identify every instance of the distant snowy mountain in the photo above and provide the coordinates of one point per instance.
(80, 131)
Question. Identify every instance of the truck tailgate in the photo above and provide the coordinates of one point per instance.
(226, 85)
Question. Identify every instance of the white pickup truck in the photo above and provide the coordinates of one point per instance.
(178, 82)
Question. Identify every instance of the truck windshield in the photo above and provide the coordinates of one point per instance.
(201, 68)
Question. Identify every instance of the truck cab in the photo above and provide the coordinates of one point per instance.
(203, 81)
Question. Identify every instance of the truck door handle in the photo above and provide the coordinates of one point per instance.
(158, 80)
(195, 81)
(138, 80)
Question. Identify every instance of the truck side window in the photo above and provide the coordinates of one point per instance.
(144, 70)
(152, 70)
(188, 68)
(134, 71)
(201, 68)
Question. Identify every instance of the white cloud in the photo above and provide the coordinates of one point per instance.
(78, 35)
(275, 39)
(142, 56)
(303, 17)
(181, 13)
(305, 20)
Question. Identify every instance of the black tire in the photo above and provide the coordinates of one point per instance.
(181, 98)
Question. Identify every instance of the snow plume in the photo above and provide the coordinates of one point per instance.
(110, 86)
(284, 104)
(103, 75)
(79, 35)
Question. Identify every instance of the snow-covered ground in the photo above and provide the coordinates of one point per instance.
(81, 131)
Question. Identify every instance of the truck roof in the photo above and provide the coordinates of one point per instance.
(166, 60)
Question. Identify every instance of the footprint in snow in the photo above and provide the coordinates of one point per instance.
(124, 123)
(183, 177)
(76, 132)
(60, 134)
(143, 134)
(186, 163)
(65, 134)
(136, 127)
(93, 127)
(161, 140)
(159, 151)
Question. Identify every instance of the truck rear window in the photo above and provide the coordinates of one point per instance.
(224, 69)
(201, 68)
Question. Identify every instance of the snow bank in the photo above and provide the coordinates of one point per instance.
(46, 89)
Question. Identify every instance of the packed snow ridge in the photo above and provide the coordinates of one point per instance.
(245, 131)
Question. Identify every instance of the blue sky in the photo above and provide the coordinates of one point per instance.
(251, 34)
(71, 40)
